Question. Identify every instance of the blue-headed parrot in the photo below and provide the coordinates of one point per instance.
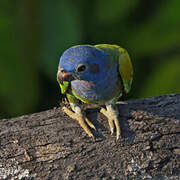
(97, 74)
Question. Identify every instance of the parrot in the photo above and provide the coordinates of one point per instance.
(95, 74)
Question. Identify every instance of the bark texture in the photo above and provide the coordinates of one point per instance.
(50, 145)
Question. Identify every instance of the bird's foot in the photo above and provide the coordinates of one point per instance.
(81, 119)
(112, 114)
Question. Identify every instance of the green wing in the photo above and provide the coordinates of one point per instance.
(125, 66)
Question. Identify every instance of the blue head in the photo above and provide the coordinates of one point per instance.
(84, 62)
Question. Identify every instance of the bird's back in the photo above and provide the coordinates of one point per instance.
(120, 56)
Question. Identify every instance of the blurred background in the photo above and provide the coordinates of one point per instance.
(33, 34)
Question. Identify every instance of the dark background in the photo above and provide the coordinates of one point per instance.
(33, 34)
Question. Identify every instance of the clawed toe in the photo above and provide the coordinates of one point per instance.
(85, 123)
(112, 115)
(82, 120)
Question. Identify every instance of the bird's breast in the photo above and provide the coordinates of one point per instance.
(96, 92)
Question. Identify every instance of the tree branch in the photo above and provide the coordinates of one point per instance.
(50, 145)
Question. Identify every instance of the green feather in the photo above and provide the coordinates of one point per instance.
(125, 66)
(64, 86)
(71, 98)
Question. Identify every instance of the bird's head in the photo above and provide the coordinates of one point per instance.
(82, 62)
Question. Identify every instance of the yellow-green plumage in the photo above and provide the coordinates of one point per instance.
(125, 65)
(64, 86)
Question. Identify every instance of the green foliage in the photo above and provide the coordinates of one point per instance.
(160, 32)
(60, 28)
(35, 33)
(18, 89)
(164, 79)
(118, 10)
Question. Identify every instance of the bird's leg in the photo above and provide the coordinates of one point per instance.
(112, 113)
(79, 116)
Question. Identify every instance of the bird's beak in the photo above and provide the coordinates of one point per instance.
(63, 75)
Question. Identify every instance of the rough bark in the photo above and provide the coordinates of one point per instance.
(50, 145)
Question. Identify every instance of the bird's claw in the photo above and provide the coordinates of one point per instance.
(82, 120)
(113, 121)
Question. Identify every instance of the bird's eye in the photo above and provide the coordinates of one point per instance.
(81, 68)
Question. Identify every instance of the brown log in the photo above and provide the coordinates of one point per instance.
(50, 145)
